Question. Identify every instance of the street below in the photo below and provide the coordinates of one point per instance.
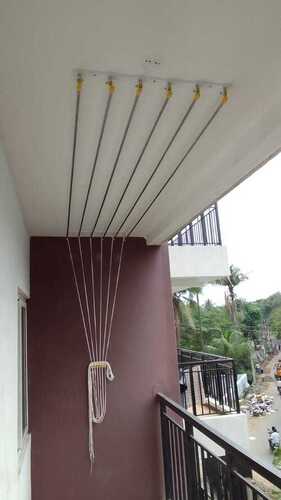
(258, 435)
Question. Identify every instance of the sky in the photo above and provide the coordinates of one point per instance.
(251, 231)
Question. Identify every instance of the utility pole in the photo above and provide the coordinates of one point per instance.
(252, 358)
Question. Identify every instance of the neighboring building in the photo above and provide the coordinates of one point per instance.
(197, 256)
(148, 447)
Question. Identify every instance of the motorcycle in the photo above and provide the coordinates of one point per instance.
(272, 446)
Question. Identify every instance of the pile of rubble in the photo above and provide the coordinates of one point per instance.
(258, 405)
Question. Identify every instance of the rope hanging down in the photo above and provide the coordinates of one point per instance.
(97, 324)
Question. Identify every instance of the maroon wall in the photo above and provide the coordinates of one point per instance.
(143, 358)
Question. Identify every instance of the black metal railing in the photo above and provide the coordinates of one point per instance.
(208, 383)
(201, 464)
(204, 230)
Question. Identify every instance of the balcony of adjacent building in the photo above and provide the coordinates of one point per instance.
(205, 438)
(202, 463)
(196, 253)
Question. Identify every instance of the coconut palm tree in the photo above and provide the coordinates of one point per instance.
(195, 292)
(231, 282)
(232, 344)
(182, 313)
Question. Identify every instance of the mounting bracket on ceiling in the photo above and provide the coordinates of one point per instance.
(116, 75)
(151, 61)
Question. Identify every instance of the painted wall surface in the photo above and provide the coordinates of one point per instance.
(24, 486)
(143, 358)
(233, 427)
(196, 265)
(14, 274)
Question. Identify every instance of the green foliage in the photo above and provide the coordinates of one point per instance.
(277, 458)
(268, 305)
(217, 335)
(276, 494)
(229, 330)
(275, 322)
(234, 279)
(251, 322)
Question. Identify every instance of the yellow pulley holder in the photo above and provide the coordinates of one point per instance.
(111, 86)
(197, 93)
(169, 91)
(139, 88)
(79, 84)
(224, 98)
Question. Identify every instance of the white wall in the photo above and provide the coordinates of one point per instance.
(232, 426)
(14, 274)
(196, 265)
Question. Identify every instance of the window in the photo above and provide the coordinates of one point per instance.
(22, 374)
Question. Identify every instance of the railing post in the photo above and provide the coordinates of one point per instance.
(235, 387)
(229, 483)
(190, 462)
(192, 390)
(191, 234)
(166, 452)
(179, 239)
(204, 231)
(218, 224)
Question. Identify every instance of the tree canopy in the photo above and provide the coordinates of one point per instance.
(224, 330)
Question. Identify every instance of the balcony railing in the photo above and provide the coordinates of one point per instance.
(208, 383)
(204, 230)
(201, 464)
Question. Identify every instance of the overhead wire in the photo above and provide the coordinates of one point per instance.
(189, 150)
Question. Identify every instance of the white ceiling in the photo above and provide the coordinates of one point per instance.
(42, 43)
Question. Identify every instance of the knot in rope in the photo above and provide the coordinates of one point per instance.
(102, 364)
(98, 373)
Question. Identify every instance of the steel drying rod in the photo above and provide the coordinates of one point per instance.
(183, 120)
(168, 96)
(139, 88)
(79, 84)
(217, 110)
(111, 89)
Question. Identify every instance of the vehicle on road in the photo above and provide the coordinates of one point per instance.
(273, 439)
(277, 370)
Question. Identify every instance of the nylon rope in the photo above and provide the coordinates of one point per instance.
(86, 296)
(93, 291)
(108, 295)
(115, 295)
(79, 299)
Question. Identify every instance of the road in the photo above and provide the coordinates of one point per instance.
(258, 444)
